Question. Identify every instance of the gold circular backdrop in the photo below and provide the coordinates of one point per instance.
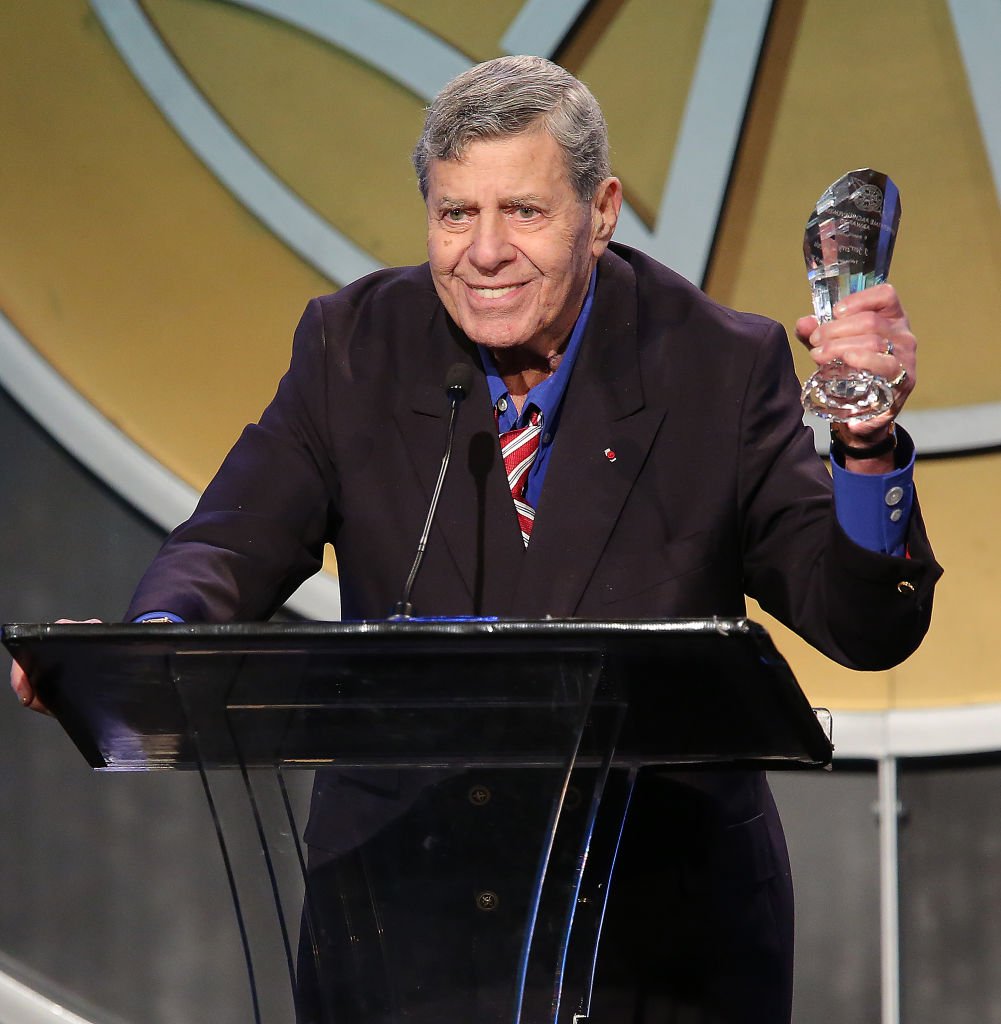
(181, 176)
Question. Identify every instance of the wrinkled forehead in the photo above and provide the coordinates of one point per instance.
(526, 163)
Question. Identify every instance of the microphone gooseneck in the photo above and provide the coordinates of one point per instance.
(458, 381)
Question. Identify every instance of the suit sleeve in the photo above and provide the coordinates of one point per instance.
(259, 529)
(865, 609)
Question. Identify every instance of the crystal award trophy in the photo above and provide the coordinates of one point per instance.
(847, 246)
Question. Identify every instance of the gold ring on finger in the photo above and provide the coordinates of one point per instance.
(899, 379)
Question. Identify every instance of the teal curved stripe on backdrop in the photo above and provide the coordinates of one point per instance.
(243, 173)
(978, 31)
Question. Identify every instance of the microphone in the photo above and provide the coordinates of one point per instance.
(458, 381)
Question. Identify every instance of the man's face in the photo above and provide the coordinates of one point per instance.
(511, 246)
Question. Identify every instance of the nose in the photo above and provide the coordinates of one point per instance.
(490, 248)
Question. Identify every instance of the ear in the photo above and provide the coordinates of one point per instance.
(605, 213)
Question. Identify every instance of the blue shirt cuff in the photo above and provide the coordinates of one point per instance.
(146, 616)
(875, 511)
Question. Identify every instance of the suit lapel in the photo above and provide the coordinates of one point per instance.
(476, 522)
(607, 425)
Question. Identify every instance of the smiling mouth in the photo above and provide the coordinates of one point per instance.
(493, 293)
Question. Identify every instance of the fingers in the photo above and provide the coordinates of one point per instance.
(21, 684)
(876, 312)
(37, 705)
(881, 298)
(24, 691)
(881, 348)
(870, 331)
(805, 326)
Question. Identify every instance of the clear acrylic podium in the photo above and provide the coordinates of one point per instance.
(468, 781)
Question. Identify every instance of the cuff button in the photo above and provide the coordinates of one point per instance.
(486, 900)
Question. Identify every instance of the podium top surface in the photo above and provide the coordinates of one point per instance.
(420, 691)
(229, 636)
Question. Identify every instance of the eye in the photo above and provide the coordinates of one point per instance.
(525, 212)
(455, 215)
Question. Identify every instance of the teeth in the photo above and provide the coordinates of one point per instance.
(494, 293)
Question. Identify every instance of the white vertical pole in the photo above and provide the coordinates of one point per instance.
(889, 890)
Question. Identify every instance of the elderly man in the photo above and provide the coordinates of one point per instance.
(664, 471)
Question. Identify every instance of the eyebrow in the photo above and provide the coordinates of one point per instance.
(524, 199)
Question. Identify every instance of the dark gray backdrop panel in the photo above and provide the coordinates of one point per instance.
(834, 849)
(112, 885)
(950, 885)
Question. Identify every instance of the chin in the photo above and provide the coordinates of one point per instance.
(489, 336)
(488, 341)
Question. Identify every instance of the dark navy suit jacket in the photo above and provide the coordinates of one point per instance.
(715, 492)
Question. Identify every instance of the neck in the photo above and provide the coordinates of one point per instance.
(521, 369)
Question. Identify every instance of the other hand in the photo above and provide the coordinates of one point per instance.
(21, 684)
(870, 331)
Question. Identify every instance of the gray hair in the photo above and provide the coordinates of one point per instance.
(508, 96)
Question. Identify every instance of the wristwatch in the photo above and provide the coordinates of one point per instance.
(842, 450)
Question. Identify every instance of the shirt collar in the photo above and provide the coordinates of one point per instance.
(548, 394)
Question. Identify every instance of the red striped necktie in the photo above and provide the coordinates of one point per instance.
(519, 447)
